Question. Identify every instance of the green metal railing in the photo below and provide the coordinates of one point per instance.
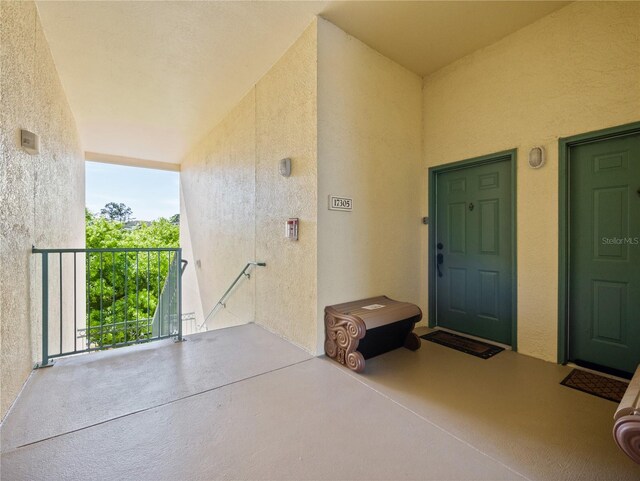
(94, 299)
(168, 315)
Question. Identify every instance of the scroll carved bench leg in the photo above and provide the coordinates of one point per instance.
(342, 338)
(626, 432)
(355, 361)
(412, 342)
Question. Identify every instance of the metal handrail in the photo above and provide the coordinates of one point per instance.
(35, 250)
(224, 297)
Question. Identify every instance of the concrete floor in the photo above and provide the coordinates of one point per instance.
(240, 403)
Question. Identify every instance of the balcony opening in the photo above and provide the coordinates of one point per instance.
(124, 287)
(150, 194)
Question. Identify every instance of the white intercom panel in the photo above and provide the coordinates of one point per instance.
(291, 229)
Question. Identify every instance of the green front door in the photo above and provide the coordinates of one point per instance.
(604, 257)
(474, 250)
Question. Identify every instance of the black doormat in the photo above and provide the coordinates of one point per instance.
(596, 385)
(464, 344)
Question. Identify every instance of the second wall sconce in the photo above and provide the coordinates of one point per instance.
(536, 157)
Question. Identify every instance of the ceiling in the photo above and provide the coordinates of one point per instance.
(424, 36)
(147, 80)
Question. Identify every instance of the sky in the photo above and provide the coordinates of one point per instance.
(150, 193)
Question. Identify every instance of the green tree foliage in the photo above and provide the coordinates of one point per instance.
(123, 287)
(117, 211)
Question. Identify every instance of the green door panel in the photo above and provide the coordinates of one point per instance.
(473, 225)
(604, 257)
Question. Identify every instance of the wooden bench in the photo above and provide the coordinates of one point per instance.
(626, 429)
(358, 330)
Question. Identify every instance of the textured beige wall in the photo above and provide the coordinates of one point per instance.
(191, 299)
(350, 120)
(573, 71)
(236, 203)
(286, 126)
(42, 196)
(369, 149)
(218, 192)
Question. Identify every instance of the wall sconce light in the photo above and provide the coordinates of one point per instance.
(285, 167)
(536, 157)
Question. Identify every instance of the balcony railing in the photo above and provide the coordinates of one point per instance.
(94, 299)
(168, 314)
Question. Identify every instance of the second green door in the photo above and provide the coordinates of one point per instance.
(604, 273)
(473, 248)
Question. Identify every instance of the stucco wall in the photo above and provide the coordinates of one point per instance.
(236, 203)
(218, 190)
(42, 196)
(574, 71)
(369, 149)
(191, 300)
(286, 126)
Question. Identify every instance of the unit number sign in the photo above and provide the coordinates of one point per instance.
(340, 203)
